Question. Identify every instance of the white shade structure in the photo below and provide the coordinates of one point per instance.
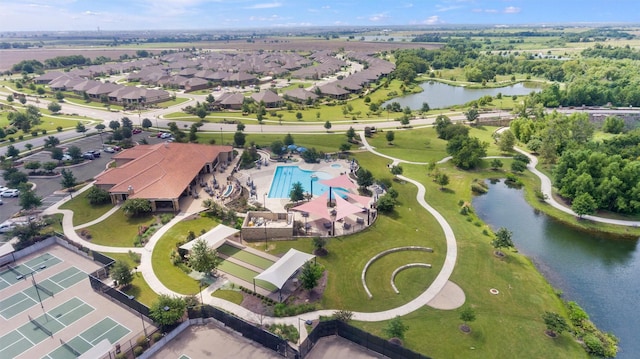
(279, 272)
(214, 238)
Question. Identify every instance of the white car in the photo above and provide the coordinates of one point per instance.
(109, 150)
(3, 188)
(10, 193)
(7, 226)
(165, 135)
(66, 158)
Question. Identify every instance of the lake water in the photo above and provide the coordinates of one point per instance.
(599, 273)
(439, 95)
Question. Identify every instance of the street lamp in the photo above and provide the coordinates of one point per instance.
(157, 123)
(144, 328)
(264, 201)
(221, 140)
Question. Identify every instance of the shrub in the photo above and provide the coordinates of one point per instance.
(137, 351)
(166, 218)
(284, 310)
(285, 331)
(156, 336)
(142, 341)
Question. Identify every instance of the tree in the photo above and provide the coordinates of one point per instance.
(467, 315)
(613, 124)
(288, 140)
(54, 107)
(327, 126)
(386, 203)
(202, 258)
(390, 136)
(146, 123)
(75, 152)
(320, 243)
(97, 195)
(9, 98)
(425, 107)
(49, 166)
(310, 275)
(80, 128)
(555, 323)
(59, 96)
(297, 192)
(365, 177)
(167, 310)
(51, 142)
(201, 112)
(496, 163)
(68, 179)
(351, 133)
(121, 273)
(136, 206)
(442, 180)
(506, 141)
(584, 204)
(210, 99)
(472, 114)
(466, 152)
(57, 154)
(114, 125)
(396, 170)
(240, 126)
(518, 166)
(126, 123)
(239, 138)
(345, 147)
(299, 116)
(396, 328)
(12, 151)
(29, 200)
(277, 147)
(23, 100)
(503, 240)
(32, 166)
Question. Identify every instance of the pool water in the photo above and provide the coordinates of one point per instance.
(285, 176)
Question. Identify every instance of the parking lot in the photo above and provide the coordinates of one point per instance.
(87, 170)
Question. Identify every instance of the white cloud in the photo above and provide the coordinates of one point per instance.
(511, 10)
(440, 8)
(378, 17)
(432, 20)
(91, 13)
(270, 5)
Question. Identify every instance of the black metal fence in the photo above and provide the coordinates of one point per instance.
(125, 299)
(358, 336)
(247, 329)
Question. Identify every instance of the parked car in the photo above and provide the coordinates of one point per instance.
(159, 135)
(136, 130)
(3, 188)
(117, 148)
(95, 153)
(66, 158)
(165, 135)
(109, 150)
(7, 226)
(88, 156)
(10, 193)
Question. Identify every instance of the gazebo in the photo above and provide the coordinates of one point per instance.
(279, 272)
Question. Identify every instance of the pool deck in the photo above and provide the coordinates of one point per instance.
(262, 178)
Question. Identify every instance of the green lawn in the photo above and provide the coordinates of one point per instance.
(171, 276)
(170, 103)
(245, 256)
(245, 274)
(94, 104)
(83, 211)
(233, 296)
(326, 142)
(127, 228)
(139, 287)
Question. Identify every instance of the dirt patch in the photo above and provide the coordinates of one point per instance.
(300, 296)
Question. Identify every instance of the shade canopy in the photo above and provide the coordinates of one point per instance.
(279, 272)
(361, 200)
(214, 238)
(317, 206)
(342, 181)
(344, 208)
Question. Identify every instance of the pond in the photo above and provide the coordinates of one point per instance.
(601, 274)
(439, 95)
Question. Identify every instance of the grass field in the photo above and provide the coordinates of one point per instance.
(171, 276)
(244, 256)
(233, 296)
(83, 211)
(245, 274)
(127, 228)
(326, 142)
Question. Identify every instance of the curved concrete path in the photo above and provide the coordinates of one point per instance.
(547, 189)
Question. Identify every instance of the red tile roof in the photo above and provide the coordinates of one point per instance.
(161, 171)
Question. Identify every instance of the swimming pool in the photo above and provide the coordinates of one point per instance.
(285, 176)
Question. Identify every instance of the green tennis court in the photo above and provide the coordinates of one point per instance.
(22, 339)
(245, 274)
(105, 329)
(245, 256)
(14, 274)
(183, 356)
(29, 297)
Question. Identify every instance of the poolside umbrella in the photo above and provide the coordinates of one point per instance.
(342, 181)
(292, 147)
(301, 149)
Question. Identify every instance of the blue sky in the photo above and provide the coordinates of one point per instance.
(18, 15)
